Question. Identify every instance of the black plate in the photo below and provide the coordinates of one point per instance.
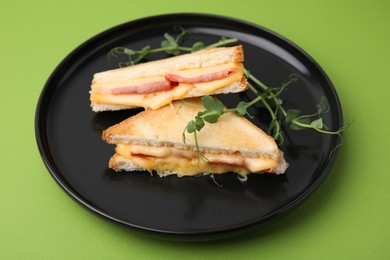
(69, 136)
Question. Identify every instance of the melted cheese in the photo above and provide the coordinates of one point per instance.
(187, 163)
(159, 99)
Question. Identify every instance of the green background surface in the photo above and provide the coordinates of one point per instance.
(346, 218)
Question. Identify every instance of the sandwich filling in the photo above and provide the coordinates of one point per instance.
(160, 90)
(163, 159)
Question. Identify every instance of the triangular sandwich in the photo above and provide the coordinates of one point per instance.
(155, 84)
(152, 141)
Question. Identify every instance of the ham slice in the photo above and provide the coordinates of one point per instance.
(146, 88)
(200, 78)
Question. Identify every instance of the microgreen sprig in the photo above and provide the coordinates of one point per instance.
(272, 102)
(292, 117)
(213, 110)
(170, 45)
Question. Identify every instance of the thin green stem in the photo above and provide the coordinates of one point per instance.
(197, 145)
(254, 90)
(168, 49)
(200, 155)
(283, 111)
(254, 101)
(274, 117)
(209, 114)
(221, 43)
(230, 110)
(255, 80)
(295, 122)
